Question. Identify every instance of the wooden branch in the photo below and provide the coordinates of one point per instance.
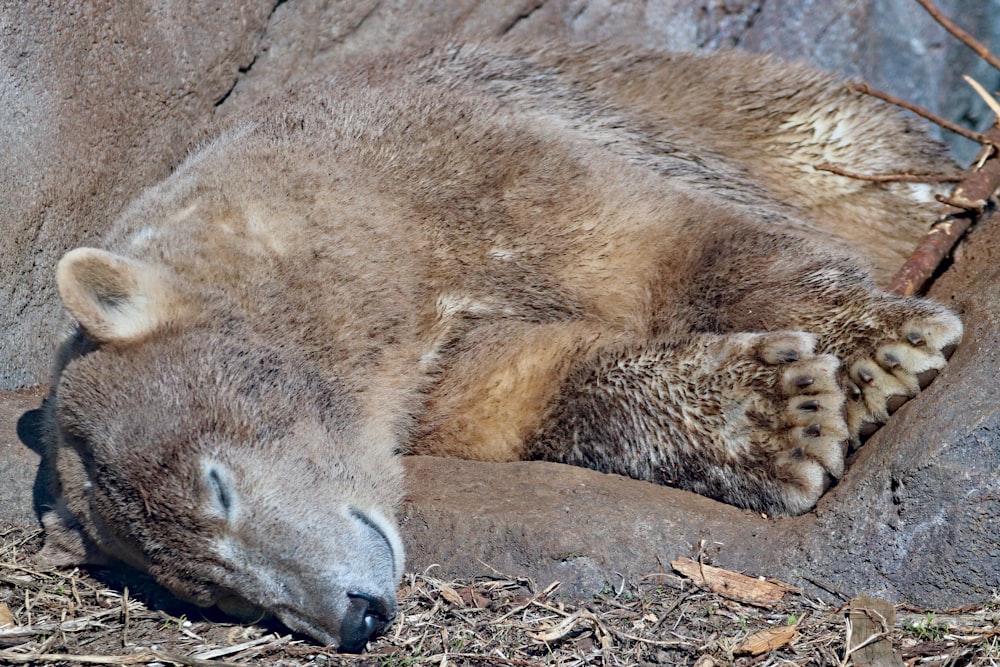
(981, 50)
(931, 251)
(920, 111)
(891, 178)
(757, 592)
(967, 200)
(768, 640)
(974, 206)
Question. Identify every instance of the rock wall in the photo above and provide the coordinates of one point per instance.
(892, 44)
(97, 101)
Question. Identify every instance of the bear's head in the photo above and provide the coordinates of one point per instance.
(186, 444)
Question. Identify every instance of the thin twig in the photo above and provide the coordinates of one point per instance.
(966, 201)
(128, 659)
(969, 199)
(891, 178)
(677, 643)
(990, 100)
(829, 588)
(535, 599)
(971, 206)
(125, 617)
(981, 50)
(237, 648)
(73, 625)
(920, 111)
(489, 658)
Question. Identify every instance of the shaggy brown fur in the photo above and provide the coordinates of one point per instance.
(622, 261)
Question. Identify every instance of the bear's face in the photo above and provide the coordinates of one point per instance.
(225, 467)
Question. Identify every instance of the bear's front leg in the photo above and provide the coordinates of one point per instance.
(752, 419)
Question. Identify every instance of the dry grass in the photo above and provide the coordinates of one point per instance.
(78, 617)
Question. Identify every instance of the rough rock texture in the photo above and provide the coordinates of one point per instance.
(101, 99)
(893, 44)
(552, 522)
(932, 528)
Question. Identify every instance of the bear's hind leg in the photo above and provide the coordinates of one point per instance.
(753, 419)
(888, 345)
(888, 354)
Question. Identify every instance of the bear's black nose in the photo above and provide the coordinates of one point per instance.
(366, 617)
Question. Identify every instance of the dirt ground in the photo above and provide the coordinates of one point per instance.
(99, 617)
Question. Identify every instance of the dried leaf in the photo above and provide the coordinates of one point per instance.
(768, 640)
(760, 592)
(472, 597)
(408, 589)
(562, 629)
(451, 595)
(6, 618)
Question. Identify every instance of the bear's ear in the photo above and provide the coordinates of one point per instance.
(114, 299)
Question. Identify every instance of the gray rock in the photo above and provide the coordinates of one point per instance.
(893, 44)
(18, 463)
(552, 522)
(933, 525)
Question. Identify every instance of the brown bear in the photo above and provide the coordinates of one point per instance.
(615, 259)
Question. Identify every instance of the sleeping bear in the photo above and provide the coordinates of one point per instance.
(616, 259)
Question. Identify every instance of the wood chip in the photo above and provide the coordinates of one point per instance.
(229, 650)
(759, 592)
(768, 640)
(870, 621)
(557, 631)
